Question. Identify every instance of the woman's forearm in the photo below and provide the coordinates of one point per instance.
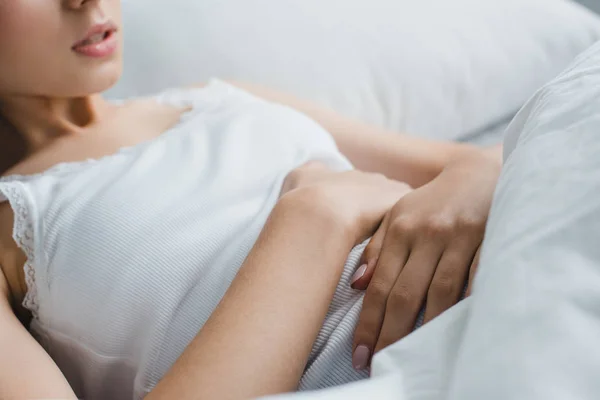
(401, 157)
(259, 338)
(405, 158)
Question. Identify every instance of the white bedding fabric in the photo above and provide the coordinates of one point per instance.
(490, 135)
(433, 68)
(532, 327)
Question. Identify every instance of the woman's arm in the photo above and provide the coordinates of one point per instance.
(26, 371)
(258, 340)
(402, 157)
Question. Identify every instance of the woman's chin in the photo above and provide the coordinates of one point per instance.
(97, 82)
(108, 83)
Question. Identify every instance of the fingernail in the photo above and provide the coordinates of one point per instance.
(360, 272)
(360, 358)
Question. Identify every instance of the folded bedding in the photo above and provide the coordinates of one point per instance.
(534, 323)
(531, 328)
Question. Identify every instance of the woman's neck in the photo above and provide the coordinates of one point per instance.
(40, 120)
(29, 124)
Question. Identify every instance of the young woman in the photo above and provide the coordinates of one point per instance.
(195, 244)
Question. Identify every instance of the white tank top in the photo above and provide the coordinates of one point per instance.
(128, 255)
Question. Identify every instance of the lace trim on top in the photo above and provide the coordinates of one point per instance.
(10, 189)
(24, 237)
(73, 166)
(178, 97)
(23, 232)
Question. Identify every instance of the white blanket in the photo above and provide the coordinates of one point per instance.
(532, 327)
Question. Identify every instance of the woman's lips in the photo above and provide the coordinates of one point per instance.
(101, 41)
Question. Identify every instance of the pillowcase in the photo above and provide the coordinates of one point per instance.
(434, 68)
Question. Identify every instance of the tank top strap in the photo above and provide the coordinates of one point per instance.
(198, 97)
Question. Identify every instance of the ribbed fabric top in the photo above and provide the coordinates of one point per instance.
(128, 255)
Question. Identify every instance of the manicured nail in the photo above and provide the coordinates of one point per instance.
(359, 274)
(360, 358)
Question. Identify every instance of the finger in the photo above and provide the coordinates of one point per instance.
(393, 256)
(473, 271)
(409, 292)
(449, 279)
(364, 273)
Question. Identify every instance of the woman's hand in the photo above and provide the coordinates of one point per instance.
(360, 200)
(262, 320)
(424, 253)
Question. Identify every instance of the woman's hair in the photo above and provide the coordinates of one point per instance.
(13, 148)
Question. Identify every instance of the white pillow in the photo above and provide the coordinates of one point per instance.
(435, 68)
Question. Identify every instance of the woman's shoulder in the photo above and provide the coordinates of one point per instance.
(29, 166)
